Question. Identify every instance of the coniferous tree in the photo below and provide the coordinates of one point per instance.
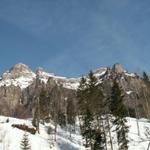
(95, 100)
(71, 115)
(86, 129)
(90, 107)
(84, 113)
(145, 78)
(25, 145)
(146, 93)
(99, 143)
(119, 112)
(81, 96)
(95, 95)
(36, 115)
(43, 105)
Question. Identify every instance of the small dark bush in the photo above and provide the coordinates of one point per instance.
(24, 128)
(7, 120)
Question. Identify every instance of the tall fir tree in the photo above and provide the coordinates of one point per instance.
(90, 99)
(84, 112)
(81, 96)
(87, 128)
(119, 112)
(25, 145)
(96, 103)
(95, 95)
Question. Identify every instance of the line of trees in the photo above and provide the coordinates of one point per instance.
(48, 108)
(99, 114)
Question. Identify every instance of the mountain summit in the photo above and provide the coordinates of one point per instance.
(17, 71)
(19, 75)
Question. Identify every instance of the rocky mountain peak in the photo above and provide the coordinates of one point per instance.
(18, 70)
(117, 68)
(39, 71)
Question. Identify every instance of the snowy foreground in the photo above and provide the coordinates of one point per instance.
(10, 137)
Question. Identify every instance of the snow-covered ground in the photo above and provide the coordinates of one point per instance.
(10, 137)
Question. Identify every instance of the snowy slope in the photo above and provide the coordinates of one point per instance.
(22, 82)
(10, 137)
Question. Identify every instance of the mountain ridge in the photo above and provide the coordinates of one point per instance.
(21, 87)
(20, 74)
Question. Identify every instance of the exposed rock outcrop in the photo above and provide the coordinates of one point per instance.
(20, 87)
(117, 68)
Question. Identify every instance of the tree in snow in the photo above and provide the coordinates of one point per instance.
(87, 130)
(44, 105)
(96, 104)
(119, 112)
(85, 114)
(90, 110)
(25, 145)
(70, 115)
(99, 141)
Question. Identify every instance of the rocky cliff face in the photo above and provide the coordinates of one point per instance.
(20, 86)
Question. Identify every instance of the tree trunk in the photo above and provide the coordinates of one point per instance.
(109, 131)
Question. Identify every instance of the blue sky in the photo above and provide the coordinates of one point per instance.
(71, 37)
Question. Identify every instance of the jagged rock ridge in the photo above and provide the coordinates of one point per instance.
(20, 86)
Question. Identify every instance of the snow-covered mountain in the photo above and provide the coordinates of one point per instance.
(21, 75)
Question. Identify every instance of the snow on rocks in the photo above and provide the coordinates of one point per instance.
(21, 75)
(100, 72)
(129, 92)
(130, 74)
(22, 82)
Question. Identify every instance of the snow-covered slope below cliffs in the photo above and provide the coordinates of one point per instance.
(136, 141)
(19, 75)
(10, 138)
